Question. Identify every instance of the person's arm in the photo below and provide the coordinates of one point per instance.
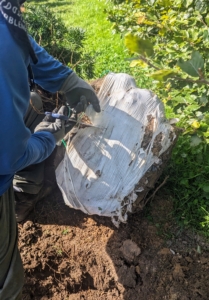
(53, 76)
(18, 147)
(49, 73)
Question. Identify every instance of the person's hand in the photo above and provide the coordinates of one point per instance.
(79, 94)
(55, 126)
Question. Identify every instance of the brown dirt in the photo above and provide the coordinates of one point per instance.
(71, 256)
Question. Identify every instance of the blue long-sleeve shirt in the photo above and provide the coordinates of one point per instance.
(18, 147)
(49, 73)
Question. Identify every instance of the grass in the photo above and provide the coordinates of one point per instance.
(107, 48)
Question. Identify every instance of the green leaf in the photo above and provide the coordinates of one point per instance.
(162, 75)
(138, 63)
(203, 100)
(138, 45)
(207, 19)
(206, 134)
(195, 141)
(166, 3)
(192, 107)
(203, 127)
(152, 2)
(188, 2)
(206, 188)
(193, 65)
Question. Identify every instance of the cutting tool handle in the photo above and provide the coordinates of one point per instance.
(57, 116)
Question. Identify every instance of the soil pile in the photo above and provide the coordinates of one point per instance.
(69, 255)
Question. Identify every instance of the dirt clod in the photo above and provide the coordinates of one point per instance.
(130, 250)
(127, 276)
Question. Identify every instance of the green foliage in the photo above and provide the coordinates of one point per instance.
(65, 44)
(138, 45)
(107, 50)
(189, 182)
(178, 36)
(194, 66)
(118, 1)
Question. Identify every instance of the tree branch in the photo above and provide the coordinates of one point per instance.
(144, 59)
(199, 81)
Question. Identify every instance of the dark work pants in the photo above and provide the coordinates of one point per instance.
(30, 180)
(11, 269)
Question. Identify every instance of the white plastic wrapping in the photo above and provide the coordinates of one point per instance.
(102, 166)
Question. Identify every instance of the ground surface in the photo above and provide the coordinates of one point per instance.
(71, 256)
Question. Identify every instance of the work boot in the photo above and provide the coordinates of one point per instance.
(25, 203)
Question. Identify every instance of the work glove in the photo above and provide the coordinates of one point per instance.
(55, 126)
(79, 94)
